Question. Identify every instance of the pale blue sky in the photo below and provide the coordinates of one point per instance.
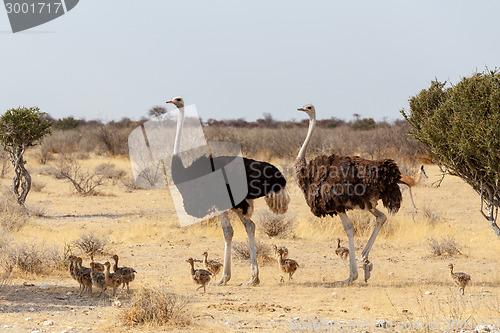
(109, 59)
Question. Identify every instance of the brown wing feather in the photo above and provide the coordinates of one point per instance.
(334, 184)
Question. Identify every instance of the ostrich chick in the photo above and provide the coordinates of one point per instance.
(287, 265)
(72, 259)
(127, 273)
(342, 252)
(199, 276)
(83, 276)
(98, 267)
(113, 280)
(460, 279)
(98, 279)
(212, 266)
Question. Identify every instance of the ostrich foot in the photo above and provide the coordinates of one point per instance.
(221, 282)
(254, 281)
(346, 282)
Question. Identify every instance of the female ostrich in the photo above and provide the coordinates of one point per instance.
(335, 184)
(263, 179)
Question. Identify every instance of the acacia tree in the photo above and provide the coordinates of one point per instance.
(21, 128)
(156, 111)
(461, 127)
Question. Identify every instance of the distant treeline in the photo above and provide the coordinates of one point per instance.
(267, 121)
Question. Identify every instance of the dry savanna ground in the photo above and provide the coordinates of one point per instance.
(409, 283)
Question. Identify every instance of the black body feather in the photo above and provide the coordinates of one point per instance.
(262, 178)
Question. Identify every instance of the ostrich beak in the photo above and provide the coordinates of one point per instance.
(169, 101)
(301, 109)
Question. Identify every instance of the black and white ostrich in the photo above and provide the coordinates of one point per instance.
(335, 184)
(263, 179)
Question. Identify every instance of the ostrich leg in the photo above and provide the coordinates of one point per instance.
(381, 218)
(250, 228)
(349, 230)
(227, 228)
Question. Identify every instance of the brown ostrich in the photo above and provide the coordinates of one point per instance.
(333, 185)
(263, 179)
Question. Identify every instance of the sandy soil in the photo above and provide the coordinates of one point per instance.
(408, 283)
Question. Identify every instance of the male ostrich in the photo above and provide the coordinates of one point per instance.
(263, 179)
(335, 184)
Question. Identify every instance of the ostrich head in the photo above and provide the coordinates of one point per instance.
(424, 175)
(450, 266)
(309, 109)
(177, 101)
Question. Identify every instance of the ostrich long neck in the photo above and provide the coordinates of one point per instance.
(178, 133)
(192, 268)
(107, 273)
(302, 152)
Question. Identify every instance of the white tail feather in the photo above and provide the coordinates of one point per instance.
(278, 201)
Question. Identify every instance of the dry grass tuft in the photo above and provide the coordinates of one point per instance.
(90, 243)
(242, 251)
(110, 172)
(274, 225)
(43, 153)
(6, 265)
(447, 244)
(156, 306)
(35, 210)
(4, 163)
(31, 257)
(431, 217)
(12, 215)
(130, 184)
(37, 186)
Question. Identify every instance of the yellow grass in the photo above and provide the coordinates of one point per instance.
(143, 229)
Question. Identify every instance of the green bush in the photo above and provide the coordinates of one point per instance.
(460, 127)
